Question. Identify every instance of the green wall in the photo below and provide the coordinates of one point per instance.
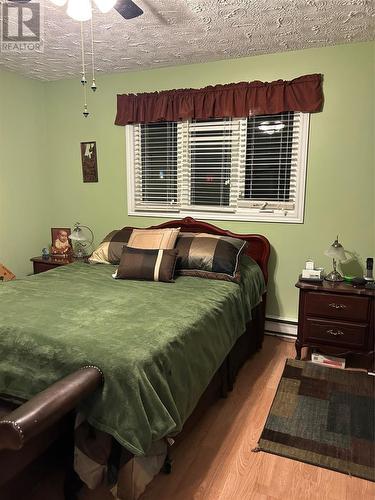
(24, 195)
(340, 175)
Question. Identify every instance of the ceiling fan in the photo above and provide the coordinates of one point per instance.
(81, 10)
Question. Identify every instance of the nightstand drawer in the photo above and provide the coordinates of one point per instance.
(337, 306)
(335, 333)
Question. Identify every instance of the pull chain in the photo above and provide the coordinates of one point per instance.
(93, 85)
(83, 73)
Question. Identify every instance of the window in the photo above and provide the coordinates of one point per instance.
(234, 169)
(156, 176)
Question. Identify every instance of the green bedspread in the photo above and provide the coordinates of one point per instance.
(158, 344)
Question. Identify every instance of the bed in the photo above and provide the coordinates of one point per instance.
(163, 351)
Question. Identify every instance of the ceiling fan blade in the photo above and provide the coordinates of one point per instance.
(128, 9)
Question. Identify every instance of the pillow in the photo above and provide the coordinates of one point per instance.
(209, 256)
(110, 249)
(145, 264)
(154, 239)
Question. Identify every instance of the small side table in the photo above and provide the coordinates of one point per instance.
(41, 265)
(337, 319)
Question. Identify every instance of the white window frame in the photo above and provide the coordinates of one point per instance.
(255, 213)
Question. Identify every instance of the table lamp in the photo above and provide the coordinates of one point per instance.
(84, 238)
(337, 253)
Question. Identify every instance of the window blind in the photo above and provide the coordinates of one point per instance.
(270, 170)
(247, 168)
(210, 157)
(155, 166)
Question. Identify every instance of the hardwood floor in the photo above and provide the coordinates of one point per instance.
(215, 461)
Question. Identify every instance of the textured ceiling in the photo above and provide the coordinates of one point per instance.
(173, 32)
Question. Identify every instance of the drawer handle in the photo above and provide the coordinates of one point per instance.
(337, 306)
(335, 332)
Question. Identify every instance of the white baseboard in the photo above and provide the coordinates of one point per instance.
(281, 327)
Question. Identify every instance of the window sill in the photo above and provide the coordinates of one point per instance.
(255, 217)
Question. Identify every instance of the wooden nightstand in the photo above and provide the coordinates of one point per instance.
(336, 319)
(41, 265)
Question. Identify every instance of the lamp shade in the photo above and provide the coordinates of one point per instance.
(82, 234)
(77, 234)
(336, 251)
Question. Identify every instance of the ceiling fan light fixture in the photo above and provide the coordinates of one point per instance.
(80, 10)
(105, 5)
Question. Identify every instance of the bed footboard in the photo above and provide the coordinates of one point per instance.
(47, 407)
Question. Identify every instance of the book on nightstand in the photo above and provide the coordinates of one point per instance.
(322, 359)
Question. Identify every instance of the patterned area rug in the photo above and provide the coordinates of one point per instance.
(323, 416)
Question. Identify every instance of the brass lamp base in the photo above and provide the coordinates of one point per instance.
(334, 276)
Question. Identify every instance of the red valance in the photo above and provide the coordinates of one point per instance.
(222, 101)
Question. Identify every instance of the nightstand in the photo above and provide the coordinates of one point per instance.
(337, 319)
(41, 265)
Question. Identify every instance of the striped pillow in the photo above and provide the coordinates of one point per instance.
(154, 239)
(110, 249)
(209, 256)
(148, 265)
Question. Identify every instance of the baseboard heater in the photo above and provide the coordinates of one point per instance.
(281, 327)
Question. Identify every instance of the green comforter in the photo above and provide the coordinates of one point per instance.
(158, 344)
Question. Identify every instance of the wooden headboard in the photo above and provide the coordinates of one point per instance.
(258, 247)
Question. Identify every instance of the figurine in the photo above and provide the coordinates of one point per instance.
(45, 253)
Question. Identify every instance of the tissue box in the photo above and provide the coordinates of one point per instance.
(312, 274)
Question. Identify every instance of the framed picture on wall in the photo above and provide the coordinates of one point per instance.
(89, 161)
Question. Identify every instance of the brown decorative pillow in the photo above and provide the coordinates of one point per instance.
(110, 249)
(154, 239)
(209, 256)
(149, 265)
